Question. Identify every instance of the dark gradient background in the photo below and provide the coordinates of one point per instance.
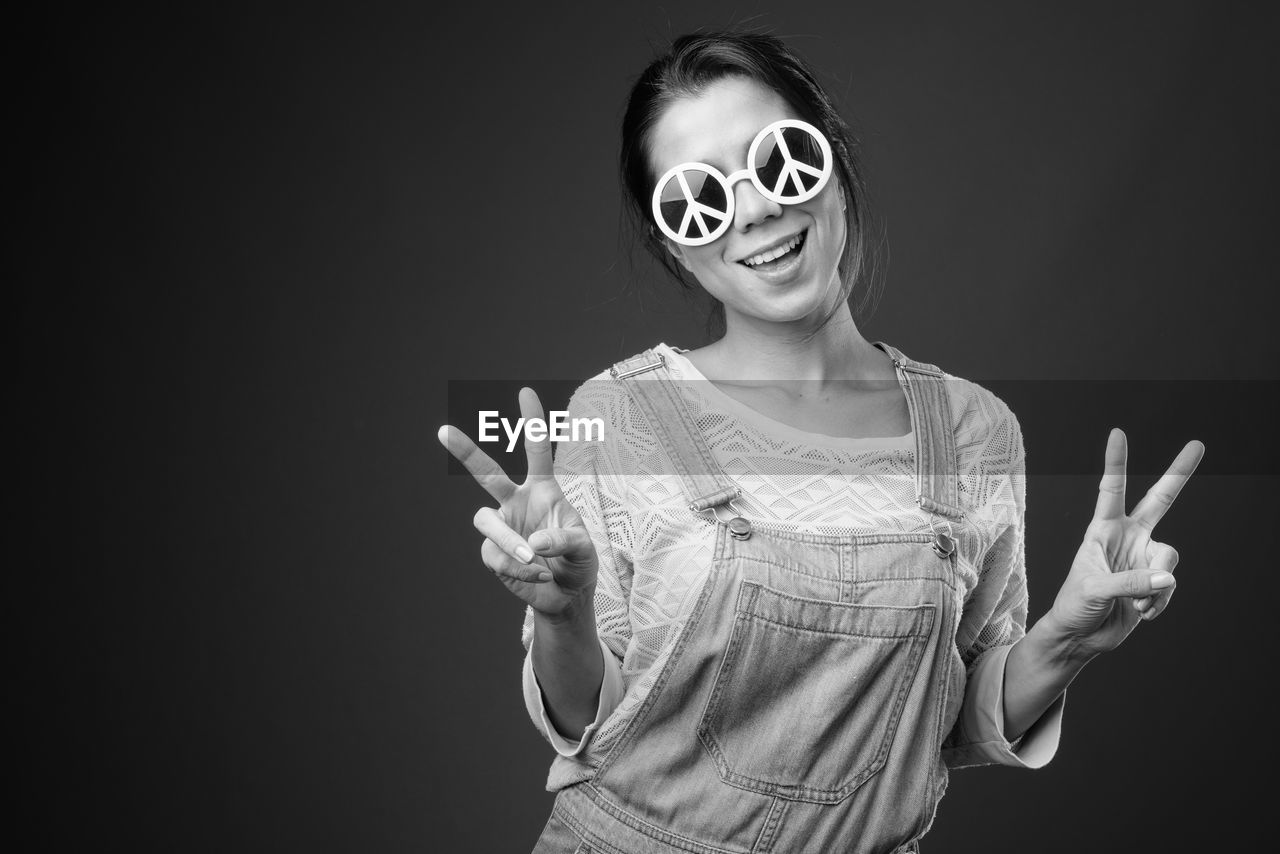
(253, 248)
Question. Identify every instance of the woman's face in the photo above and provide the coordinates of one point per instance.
(717, 128)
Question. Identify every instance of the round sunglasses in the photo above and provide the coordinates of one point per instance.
(789, 162)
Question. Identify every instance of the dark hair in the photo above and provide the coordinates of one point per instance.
(694, 62)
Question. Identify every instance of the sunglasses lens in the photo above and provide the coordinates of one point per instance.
(774, 162)
(705, 191)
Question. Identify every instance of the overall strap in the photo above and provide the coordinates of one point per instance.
(646, 379)
(931, 419)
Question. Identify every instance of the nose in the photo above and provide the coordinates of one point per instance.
(749, 206)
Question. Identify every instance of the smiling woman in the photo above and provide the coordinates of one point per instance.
(785, 594)
(754, 84)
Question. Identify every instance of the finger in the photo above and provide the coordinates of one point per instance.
(502, 564)
(1160, 497)
(489, 522)
(1158, 605)
(481, 466)
(1132, 584)
(1111, 488)
(1141, 605)
(1164, 557)
(573, 544)
(538, 450)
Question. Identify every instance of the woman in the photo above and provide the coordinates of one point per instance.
(785, 593)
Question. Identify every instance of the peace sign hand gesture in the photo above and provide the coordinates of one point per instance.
(1120, 574)
(535, 542)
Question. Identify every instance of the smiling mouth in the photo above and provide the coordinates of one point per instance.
(778, 257)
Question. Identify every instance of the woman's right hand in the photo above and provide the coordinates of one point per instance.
(535, 542)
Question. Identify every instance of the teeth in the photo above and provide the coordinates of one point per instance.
(776, 252)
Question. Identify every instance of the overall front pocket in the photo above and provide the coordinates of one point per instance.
(809, 692)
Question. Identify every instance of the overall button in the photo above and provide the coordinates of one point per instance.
(943, 545)
(739, 528)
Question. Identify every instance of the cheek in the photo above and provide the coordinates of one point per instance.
(705, 256)
(834, 208)
(708, 267)
(841, 227)
(831, 223)
(837, 224)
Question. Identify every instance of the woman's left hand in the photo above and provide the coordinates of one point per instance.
(1120, 574)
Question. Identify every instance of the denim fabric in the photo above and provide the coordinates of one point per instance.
(558, 838)
(808, 694)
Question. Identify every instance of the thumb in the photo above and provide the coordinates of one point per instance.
(573, 544)
(1134, 583)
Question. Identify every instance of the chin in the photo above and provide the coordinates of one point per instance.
(788, 308)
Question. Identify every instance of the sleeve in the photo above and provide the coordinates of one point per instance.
(593, 486)
(611, 690)
(978, 737)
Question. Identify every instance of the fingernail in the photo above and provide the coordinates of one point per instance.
(524, 554)
(1161, 580)
(544, 576)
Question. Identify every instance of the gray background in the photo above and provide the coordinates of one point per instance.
(257, 245)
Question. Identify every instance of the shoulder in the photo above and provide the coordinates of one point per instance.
(987, 435)
(982, 422)
(604, 397)
(990, 456)
(978, 415)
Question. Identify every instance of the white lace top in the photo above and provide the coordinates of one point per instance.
(654, 552)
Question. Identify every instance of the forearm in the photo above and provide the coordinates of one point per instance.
(1038, 669)
(567, 662)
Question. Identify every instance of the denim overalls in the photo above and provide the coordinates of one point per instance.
(810, 688)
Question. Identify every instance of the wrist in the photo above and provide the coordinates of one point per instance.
(1057, 646)
(579, 613)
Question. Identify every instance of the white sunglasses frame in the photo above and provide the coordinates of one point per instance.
(727, 182)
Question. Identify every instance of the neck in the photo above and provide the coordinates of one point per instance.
(757, 351)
